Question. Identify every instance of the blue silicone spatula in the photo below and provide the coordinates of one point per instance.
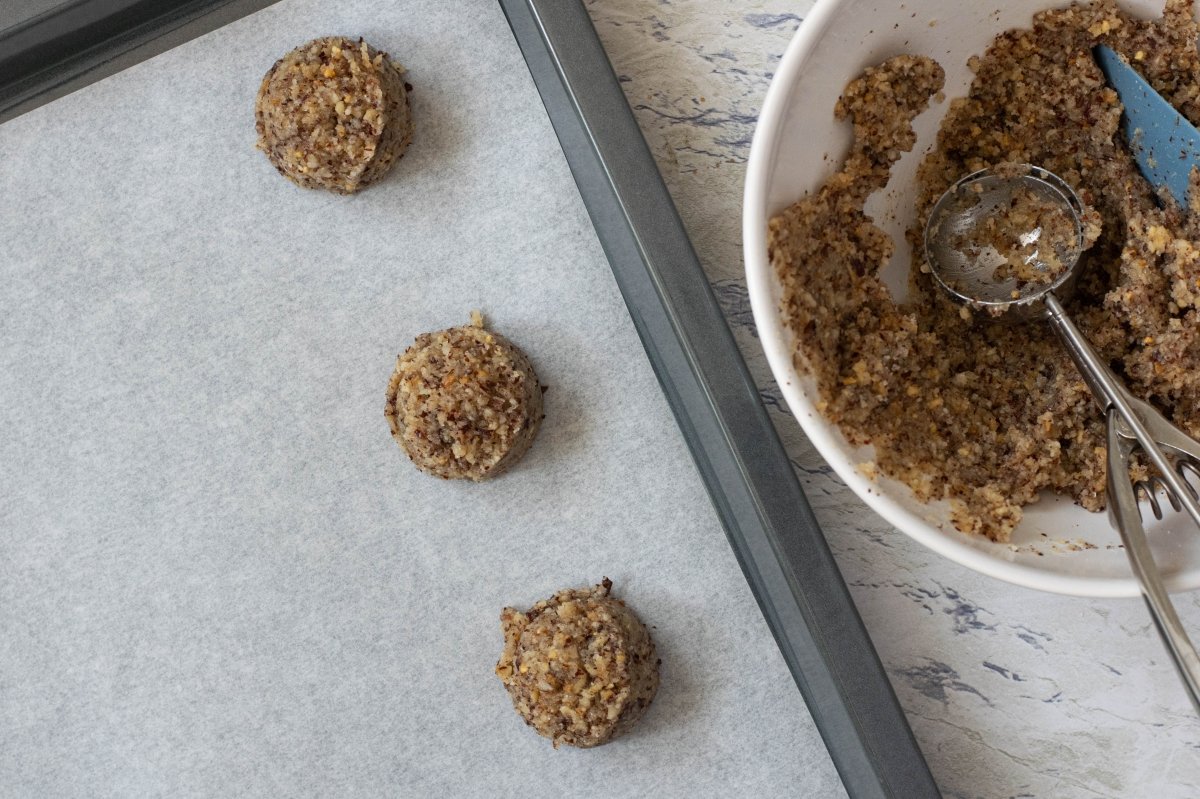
(1164, 143)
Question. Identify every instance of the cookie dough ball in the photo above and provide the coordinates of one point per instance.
(464, 403)
(333, 114)
(580, 667)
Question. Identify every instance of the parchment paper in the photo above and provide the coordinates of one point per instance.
(219, 576)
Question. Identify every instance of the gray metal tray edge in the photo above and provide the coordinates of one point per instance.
(770, 525)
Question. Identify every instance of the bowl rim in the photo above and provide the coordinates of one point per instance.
(759, 279)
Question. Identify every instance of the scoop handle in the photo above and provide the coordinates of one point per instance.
(1110, 393)
(1126, 430)
(1124, 510)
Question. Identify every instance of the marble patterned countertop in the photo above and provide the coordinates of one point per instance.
(1011, 692)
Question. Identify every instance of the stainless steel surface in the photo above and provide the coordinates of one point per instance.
(969, 277)
(1124, 509)
(1133, 426)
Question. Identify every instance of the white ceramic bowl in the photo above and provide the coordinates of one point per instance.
(1058, 547)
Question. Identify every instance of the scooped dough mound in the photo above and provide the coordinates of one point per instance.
(333, 114)
(464, 403)
(580, 667)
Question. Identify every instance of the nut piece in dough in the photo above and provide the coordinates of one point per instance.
(464, 403)
(580, 667)
(333, 114)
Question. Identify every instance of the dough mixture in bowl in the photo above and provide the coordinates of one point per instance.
(983, 413)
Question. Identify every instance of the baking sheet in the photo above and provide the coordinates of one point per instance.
(218, 575)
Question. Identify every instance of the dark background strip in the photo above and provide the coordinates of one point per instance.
(72, 44)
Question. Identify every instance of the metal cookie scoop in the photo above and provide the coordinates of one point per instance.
(965, 241)
(998, 243)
